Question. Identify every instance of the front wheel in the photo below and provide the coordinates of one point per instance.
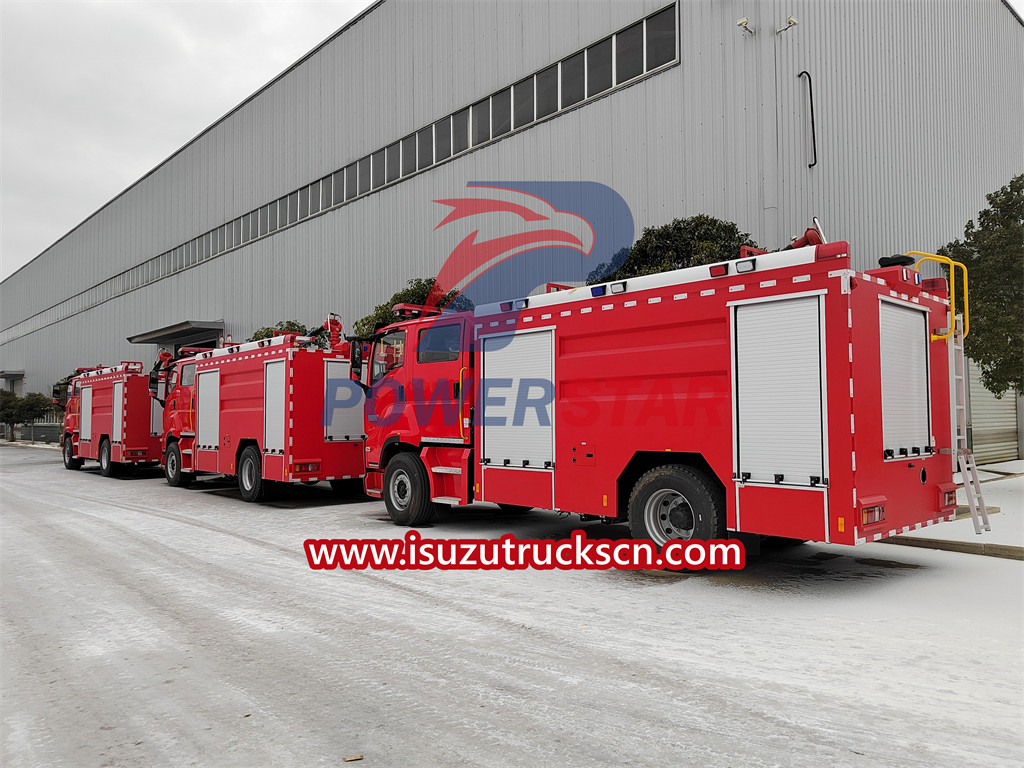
(176, 476)
(108, 468)
(250, 475)
(407, 491)
(70, 461)
(676, 502)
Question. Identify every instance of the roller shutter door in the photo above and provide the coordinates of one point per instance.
(993, 421)
(85, 415)
(518, 369)
(777, 377)
(273, 406)
(117, 423)
(208, 409)
(904, 364)
(345, 402)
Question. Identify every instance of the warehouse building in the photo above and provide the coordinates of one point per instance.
(889, 121)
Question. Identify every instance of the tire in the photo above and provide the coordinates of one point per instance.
(250, 474)
(70, 461)
(676, 502)
(176, 476)
(348, 489)
(407, 491)
(108, 468)
(514, 509)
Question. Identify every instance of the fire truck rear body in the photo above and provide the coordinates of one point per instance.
(110, 417)
(270, 395)
(809, 397)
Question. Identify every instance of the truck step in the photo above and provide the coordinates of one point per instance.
(446, 499)
(447, 470)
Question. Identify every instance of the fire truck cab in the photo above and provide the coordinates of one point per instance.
(777, 394)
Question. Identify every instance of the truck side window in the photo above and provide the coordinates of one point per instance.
(388, 354)
(172, 379)
(77, 390)
(188, 375)
(439, 344)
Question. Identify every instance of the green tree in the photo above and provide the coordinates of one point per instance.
(993, 252)
(418, 291)
(700, 239)
(10, 410)
(284, 326)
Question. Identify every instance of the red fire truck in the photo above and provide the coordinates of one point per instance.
(779, 394)
(280, 409)
(110, 417)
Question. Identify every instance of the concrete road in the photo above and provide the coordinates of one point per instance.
(144, 625)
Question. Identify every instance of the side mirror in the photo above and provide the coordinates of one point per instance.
(357, 360)
(154, 382)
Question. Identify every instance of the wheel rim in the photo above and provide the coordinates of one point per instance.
(668, 515)
(105, 456)
(400, 489)
(248, 474)
(172, 463)
(68, 452)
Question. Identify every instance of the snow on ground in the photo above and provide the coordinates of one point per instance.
(148, 625)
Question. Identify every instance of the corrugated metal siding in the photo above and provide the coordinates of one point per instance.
(913, 129)
(993, 421)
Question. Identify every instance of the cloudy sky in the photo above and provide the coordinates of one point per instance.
(96, 93)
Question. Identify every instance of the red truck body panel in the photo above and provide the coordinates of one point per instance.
(771, 379)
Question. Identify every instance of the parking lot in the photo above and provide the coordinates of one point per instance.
(149, 625)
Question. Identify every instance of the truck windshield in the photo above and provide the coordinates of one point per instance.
(388, 354)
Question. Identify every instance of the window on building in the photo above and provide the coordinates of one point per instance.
(599, 67)
(326, 192)
(661, 38)
(425, 148)
(351, 181)
(293, 207)
(394, 161)
(264, 215)
(364, 175)
(282, 212)
(246, 236)
(501, 113)
(339, 186)
(229, 235)
(377, 169)
(573, 80)
(481, 122)
(442, 139)
(408, 155)
(460, 131)
(547, 92)
(303, 202)
(629, 53)
(314, 198)
(271, 213)
(522, 99)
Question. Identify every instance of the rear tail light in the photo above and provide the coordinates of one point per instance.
(871, 515)
(719, 270)
(307, 468)
(135, 453)
(949, 499)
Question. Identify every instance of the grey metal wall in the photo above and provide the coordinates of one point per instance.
(915, 123)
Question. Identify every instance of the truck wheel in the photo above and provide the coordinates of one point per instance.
(676, 502)
(407, 491)
(250, 474)
(70, 462)
(348, 489)
(108, 468)
(176, 476)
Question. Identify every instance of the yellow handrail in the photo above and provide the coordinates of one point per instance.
(462, 395)
(952, 290)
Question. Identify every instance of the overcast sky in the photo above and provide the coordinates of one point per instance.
(96, 93)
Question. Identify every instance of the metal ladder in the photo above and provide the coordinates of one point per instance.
(964, 455)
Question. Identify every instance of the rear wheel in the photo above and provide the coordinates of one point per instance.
(70, 461)
(676, 502)
(407, 491)
(108, 468)
(250, 474)
(176, 476)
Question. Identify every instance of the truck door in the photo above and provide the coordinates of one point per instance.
(441, 374)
